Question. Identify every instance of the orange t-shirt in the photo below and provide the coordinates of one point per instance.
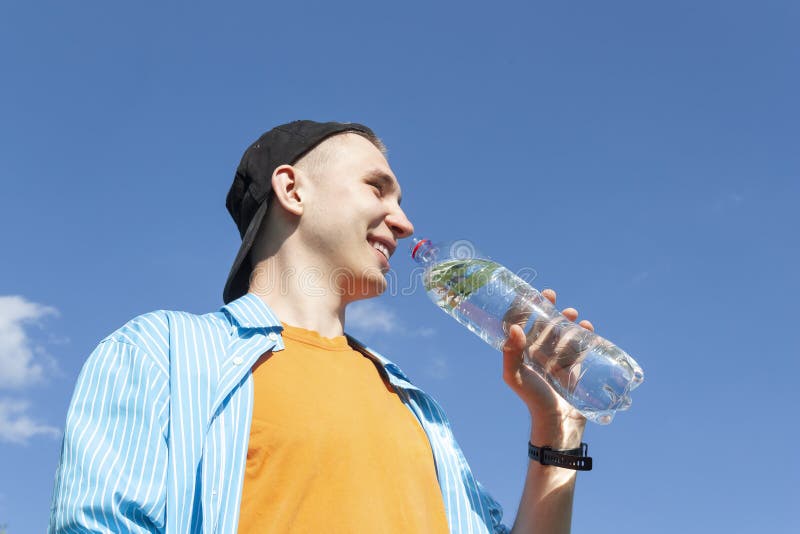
(333, 448)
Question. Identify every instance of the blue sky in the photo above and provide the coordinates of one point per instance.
(641, 157)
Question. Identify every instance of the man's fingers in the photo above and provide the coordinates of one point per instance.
(570, 313)
(549, 294)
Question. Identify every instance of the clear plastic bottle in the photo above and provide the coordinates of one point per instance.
(589, 372)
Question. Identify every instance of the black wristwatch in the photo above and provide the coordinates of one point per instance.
(576, 459)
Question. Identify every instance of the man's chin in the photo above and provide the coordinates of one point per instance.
(369, 287)
(369, 283)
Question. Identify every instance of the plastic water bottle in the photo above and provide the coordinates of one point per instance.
(589, 372)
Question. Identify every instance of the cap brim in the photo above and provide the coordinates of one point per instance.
(238, 281)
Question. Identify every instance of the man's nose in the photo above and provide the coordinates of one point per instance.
(399, 224)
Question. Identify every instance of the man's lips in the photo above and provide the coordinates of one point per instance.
(383, 245)
(384, 260)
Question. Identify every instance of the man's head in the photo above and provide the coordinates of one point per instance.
(327, 186)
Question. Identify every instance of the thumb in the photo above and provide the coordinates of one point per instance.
(514, 344)
(512, 357)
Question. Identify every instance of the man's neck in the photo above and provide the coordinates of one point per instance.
(298, 300)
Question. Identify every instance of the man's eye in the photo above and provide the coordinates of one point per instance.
(377, 186)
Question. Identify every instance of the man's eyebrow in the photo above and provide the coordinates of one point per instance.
(387, 180)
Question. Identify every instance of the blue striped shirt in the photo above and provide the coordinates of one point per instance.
(157, 431)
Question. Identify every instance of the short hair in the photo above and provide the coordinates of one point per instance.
(318, 157)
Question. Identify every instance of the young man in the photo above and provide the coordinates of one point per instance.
(265, 416)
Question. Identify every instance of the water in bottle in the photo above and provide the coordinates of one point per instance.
(589, 372)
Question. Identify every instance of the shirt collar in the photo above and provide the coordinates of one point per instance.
(249, 311)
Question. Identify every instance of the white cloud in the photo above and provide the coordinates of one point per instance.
(371, 316)
(22, 362)
(17, 427)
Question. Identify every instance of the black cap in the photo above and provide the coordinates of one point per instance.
(249, 194)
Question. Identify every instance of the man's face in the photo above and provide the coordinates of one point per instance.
(353, 218)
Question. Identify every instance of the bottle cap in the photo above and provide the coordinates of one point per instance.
(416, 246)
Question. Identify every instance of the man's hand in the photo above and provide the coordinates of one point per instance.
(555, 420)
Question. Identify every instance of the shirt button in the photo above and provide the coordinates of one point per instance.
(273, 336)
(237, 361)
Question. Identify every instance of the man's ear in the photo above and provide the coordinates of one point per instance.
(285, 188)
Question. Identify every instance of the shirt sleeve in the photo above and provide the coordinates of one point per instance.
(112, 472)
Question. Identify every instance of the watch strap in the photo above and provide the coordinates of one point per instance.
(576, 459)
